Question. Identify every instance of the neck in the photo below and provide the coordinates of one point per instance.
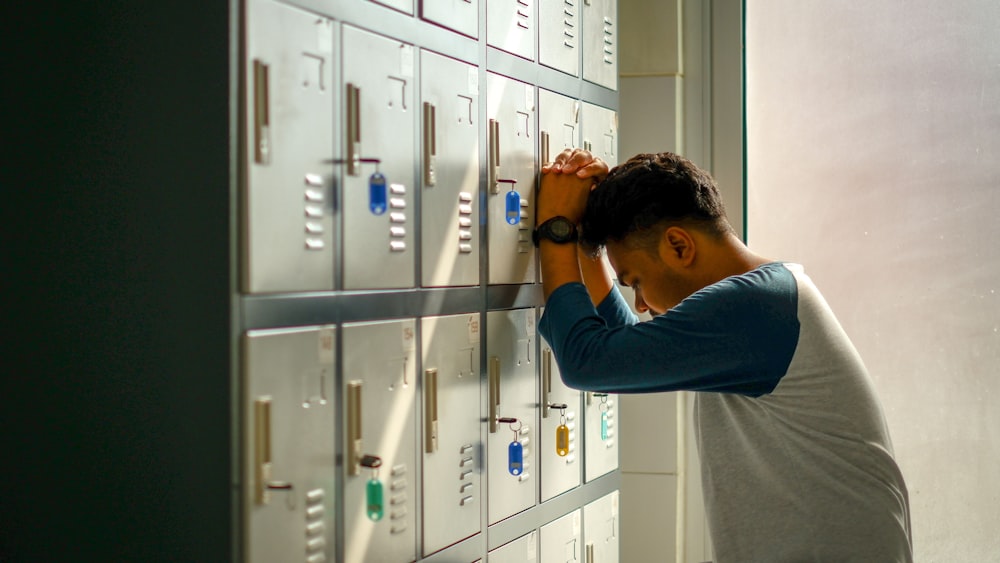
(729, 257)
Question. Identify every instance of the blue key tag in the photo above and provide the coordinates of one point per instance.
(377, 197)
(513, 207)
(515, 458)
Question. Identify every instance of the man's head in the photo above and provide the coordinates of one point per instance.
(655, 214)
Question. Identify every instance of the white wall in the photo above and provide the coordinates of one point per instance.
(874, 159)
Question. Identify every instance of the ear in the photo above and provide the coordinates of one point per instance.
(677, 246)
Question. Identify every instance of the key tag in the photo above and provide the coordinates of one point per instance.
(513, 203)
(562, 434)
(515, 452)
(604, 416)
(377, 193)
(375, 507)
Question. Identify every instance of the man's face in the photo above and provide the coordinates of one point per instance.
(658, 284)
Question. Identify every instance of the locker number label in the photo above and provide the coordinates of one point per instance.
(326, 346)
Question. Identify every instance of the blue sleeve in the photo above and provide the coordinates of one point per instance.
(615, 311)
(735, 336)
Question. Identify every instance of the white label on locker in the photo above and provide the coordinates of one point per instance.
(409, 338)
(473, 81)
(529, 97)
(614, 506)
(326, 346)
(532, 546)
(576, 523)
(529, 323)
(324, 33)
(406, 60)
(473, 329)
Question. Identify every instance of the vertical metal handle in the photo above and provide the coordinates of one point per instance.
(354, 428)
(430, 410)
(353, 129)
(261, 113)
(588, 146)
(494, 157)
(494, 383)
(262, 448)
(590, 553)
(430, 143)
(546, 380)
(545, 147)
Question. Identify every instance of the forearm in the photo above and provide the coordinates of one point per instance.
(596, 276)
(559, 266)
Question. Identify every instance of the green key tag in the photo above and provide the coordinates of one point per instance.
(604, 416)
(374, 503)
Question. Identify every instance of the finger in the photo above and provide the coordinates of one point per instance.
(596, 169)
(561, 159)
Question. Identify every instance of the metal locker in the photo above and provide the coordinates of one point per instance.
(458, 15)
(379, 374)
(600, 443)
(560, 541)
(600, 530)
(405, 6)
(521, 550)
(378, 161)
(560, 467)
(510, 26)
(449, 171)
(559, 35)
(452, 422)
(558, 124)
(600, 132)
(288, 429)
(600, 34)
(510, 180)
(288, 238)
(512, 403)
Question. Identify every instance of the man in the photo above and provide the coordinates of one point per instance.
(797, 464)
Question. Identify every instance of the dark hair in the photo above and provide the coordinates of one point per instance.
(647, 194)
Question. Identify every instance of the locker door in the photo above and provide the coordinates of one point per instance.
(378, 124)
(600, 446)
(510, 26)
(600, 34)
(450, 171)
(405, 6)
(289, 422)
(560, 469)
(379, 373)
(559, 35)
(511, 395)
(560, 540)
(452, 445)
(511, 168)
(600, 529)
(288, 242)
(558, 124)
(600, 132)
(459, 15)
(521, 550)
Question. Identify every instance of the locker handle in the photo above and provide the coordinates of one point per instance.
(430, 143)
(494, 385)
(354, 454)
(353, 129)
(430, 410)
(545, 147)
(261, 113)
(587, 146)
(494, 156)
(546, 380)
(590, 553)
(262, 453)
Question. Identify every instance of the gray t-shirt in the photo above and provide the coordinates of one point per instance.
(796, 459)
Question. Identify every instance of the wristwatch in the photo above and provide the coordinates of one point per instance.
(557, 229)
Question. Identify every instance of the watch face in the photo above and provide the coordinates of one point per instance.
(561, 229)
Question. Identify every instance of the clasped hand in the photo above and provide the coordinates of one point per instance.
(566, 184)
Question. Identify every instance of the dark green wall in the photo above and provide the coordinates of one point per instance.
(115, 281)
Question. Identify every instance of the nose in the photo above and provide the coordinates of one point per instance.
(640, 305)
